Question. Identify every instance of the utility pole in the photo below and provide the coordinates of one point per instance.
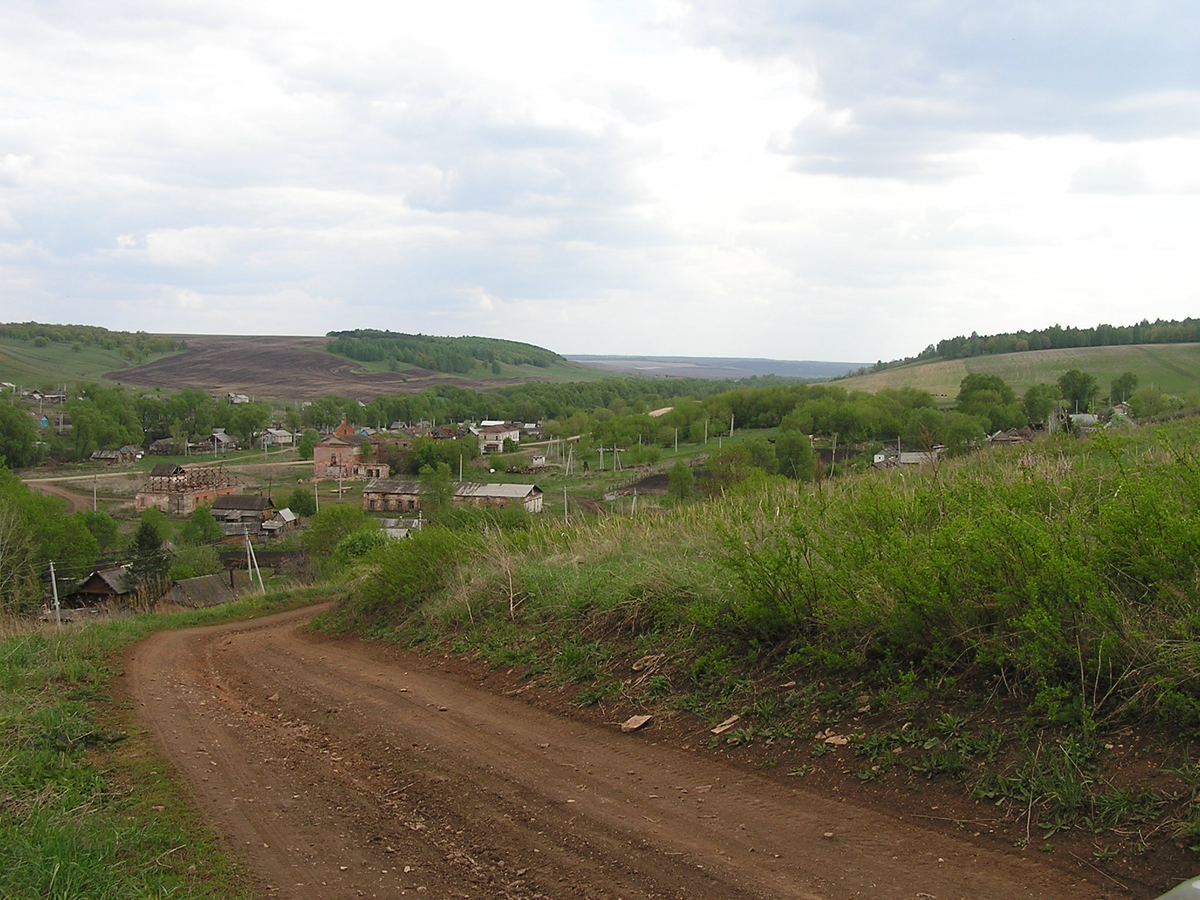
(706, 431)
(54, 588)
(676, 440)
(93, 492)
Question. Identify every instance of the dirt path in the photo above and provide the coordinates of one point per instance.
(75, 502)
(336, 770)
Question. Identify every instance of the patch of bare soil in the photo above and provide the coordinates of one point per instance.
(278, 368)
(336, 768)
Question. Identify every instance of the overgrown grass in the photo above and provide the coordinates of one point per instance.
(1057, 581)
(88, 808)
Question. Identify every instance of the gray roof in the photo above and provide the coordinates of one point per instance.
(242, 502)
(205, 590)
(496, 491)
(392, 486)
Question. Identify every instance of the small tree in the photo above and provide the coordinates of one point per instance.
(1123, 387)
(437, 489)
(307, 442)
(794, 455)
(681, 481)
(302, 502)
(149, 565)
(1078, 388)
(102, 526)
(1039, 402)
(200, 528)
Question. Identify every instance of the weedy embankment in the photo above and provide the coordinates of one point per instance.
(1019, 626)
(88, 807)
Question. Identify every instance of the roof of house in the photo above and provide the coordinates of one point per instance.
(166, 469)
(355, 440)
(392, 486)
(204, 590)
(115, 579)
(286, 515)
(495, 491)
(499, 429)
(106, 454)
(242, 502)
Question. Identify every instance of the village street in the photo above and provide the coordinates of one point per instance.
(335, 768)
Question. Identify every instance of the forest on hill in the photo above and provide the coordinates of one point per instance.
(1056, 337)
(457, 355)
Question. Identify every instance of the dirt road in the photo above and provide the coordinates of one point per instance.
(340, 769)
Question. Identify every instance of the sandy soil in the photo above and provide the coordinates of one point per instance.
(278, 368)
(336, 768)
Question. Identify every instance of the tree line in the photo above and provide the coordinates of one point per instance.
(1056, 337)
(457, 355)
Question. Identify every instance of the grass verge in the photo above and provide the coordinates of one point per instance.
(88, 808)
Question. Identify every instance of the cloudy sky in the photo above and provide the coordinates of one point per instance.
(774, 178)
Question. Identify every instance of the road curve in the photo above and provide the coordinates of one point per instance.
(334, 770)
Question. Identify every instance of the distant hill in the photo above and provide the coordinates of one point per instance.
(457, 355)
(1175, 368)
(714, 367)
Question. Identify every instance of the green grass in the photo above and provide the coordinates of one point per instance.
(29, 366)
(89, 808)
(1175, 368)
(1049, 588)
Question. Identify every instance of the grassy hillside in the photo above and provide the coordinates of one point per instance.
(1175, 368)
(560, 370)
(30, 366)
(998, 624)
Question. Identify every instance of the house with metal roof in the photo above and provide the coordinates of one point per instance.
(393, 495)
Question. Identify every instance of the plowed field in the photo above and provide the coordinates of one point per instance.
(278, 368)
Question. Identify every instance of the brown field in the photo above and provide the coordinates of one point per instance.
(280, 368)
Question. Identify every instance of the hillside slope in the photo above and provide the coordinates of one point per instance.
(1175, 368)
(299, 368)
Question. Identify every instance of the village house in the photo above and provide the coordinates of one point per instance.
(104, 586)
(383, 495)
(217, 442)
(282, 522)
(277, 437)
(493, 436)
(241, 514)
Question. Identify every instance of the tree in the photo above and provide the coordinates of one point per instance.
(149, 565)
(680, 481)
(437, 489)
(157, 519)
(18, 438)
(200, 528)
(1039, 401)
(102, 526)
(794, 455)
(1123, 387)
(307, 442)
(1078, 388)
(978, 382)
(192, 562)
(327, 528)
(963, 433)
(1150, 401)
(302, 502)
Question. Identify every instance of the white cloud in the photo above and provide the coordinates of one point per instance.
(778, 179)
